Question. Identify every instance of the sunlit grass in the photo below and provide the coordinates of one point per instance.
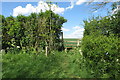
(56, 65)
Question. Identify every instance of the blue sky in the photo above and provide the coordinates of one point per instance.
(75, 13)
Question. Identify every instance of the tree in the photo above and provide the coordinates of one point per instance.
(33, 32)
(101, 5)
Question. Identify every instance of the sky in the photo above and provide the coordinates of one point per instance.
(74, 12)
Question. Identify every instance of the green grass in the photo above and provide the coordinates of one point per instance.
(56, 65)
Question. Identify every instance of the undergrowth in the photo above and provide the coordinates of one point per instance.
(55, 65)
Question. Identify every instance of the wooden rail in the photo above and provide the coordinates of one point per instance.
(71, 43)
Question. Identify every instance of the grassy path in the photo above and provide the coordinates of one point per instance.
(56, 65)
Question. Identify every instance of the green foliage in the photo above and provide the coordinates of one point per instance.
(100, 46)
(25, 65)
(33, 31)
(25, 36)
(102, 54)
(56, 65)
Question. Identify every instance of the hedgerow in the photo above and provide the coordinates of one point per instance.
(101, 46)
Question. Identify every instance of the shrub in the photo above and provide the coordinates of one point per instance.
(102, 54)
(100, 46)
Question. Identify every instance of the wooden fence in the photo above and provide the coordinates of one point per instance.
(71, 43)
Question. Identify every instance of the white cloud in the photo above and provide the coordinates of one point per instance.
(95, 11)
(42, 6)
(27, 10)
(79, 2)
(77, 33)
(71, 5)
(57, 9)
(64, 29)
(76, 27)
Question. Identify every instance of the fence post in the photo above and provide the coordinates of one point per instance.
(66, 50)
(78, 43)
(46, 50)
(62, 41)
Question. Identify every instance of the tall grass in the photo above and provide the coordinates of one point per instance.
(56, 65)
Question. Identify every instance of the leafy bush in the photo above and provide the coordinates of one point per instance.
(101, 45)
(33, 31)
(102, 54)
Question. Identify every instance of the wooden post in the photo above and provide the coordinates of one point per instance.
(62, 40)
(66, 50)
(46, 50)
(78, 43)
